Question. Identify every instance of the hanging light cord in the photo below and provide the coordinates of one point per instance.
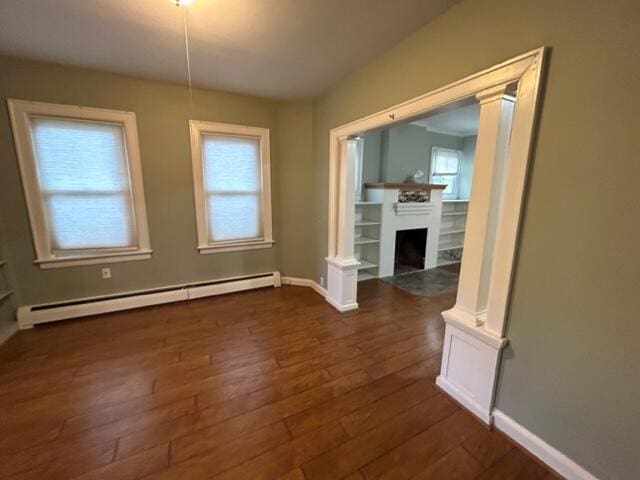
(186, 50)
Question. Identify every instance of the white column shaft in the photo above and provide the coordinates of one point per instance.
(494, 127)
(346, 213)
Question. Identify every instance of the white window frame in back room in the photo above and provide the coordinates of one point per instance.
(205, 244)
(456, 193)
(21, 112)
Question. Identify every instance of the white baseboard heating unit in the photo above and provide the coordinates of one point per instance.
(30, 315)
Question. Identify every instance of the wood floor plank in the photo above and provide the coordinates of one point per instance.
(58, 463)
(288, 456)
(265, 384)
(358, 452)
(487, 446)
(228, 455)
(315, 417)
(377, 412)
(421, 451)
(132, 468)
(515, 465)
(455, 465)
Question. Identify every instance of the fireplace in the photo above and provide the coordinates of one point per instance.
(410, 250)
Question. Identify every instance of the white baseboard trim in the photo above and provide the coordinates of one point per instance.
(341, 308)
(8, 332)
(539, 448)
(305, 282)
(30, 315)
(465, 400)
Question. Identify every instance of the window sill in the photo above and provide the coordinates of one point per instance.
(235, 246)
(79, 260)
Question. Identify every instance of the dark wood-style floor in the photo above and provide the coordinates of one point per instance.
(268, 384)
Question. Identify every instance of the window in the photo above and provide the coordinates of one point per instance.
(445, 170)
(82, 179)
(231, 172)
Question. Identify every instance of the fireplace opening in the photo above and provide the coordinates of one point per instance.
(410, 250)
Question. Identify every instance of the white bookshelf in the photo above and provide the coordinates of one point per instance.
(367, 238)
(452, 229)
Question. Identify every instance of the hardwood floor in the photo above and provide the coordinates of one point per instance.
(267, 384)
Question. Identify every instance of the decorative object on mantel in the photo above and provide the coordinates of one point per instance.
(418, 177)
(411, 196)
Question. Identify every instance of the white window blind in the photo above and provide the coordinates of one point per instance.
(84, 183)
(445, 166)
(232, 187)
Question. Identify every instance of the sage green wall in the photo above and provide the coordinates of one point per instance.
(295, 127)
(570, 372)
(162, 112)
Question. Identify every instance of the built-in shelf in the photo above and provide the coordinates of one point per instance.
(365, 223)
(449, 246)
(452, 231)
(365, 265)
(442, 262)
(448, 214)
(366, 240)
(368, 203)
(364, 275)
(5, 295)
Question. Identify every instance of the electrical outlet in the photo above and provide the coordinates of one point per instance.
(322, 281)
(106, 273)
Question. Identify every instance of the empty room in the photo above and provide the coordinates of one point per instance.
(317, 240)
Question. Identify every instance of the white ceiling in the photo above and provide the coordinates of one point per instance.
(273, 48)
(462, 121)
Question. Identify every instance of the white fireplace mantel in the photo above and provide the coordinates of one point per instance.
(396, 216)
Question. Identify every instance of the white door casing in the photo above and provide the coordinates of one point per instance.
(474, 334)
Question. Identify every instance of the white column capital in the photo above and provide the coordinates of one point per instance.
(348, 139)
(493, 94)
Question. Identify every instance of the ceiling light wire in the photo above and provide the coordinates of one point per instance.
(186, 50)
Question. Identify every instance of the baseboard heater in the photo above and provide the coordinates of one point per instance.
(30, 315)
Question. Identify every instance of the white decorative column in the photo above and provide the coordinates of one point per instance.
(471, 352)
(496, 112)
(342, 268)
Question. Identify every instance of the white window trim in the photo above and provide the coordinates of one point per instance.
(198, 128)
(20, 111)
(434, 150)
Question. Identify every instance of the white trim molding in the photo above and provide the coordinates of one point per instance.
(539, 448)
(21, 112)
(30, 315)
(305, 282)
(475, 325)
(205, 244)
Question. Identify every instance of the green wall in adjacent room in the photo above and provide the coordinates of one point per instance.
(570, 372)
(162, 111)
(396, 153)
